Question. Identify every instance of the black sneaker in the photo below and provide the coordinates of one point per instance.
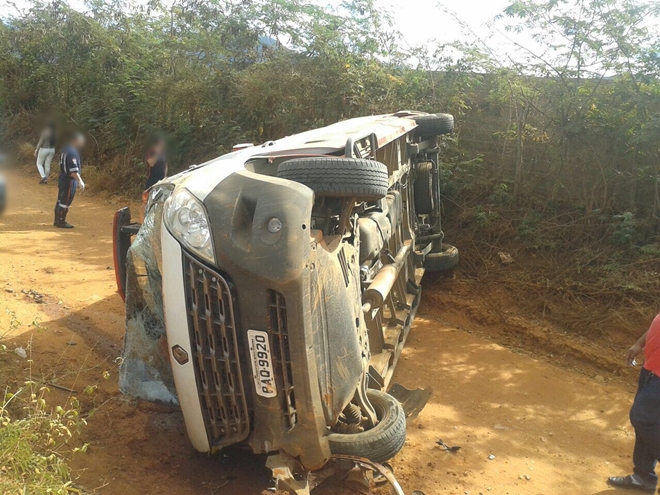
(44, 180)
(64, 225)
(628, 483)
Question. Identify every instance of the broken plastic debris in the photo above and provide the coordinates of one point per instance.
(34, 295)
(21, 352)
(452, 449)
(491, 457)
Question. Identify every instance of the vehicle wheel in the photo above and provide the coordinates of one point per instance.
(383, 441)
(441, 260)
(338, 177)
(424, 200)
(434, 125)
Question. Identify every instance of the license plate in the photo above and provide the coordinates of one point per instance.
(262, 364)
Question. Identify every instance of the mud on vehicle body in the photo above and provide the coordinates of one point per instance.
(270, 292)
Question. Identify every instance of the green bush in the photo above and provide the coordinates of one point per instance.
(624, 229)
(32, 438)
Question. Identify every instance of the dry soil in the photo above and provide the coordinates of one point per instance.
(529, 418)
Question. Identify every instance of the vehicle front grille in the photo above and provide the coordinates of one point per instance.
(213, 339)
(282, 356)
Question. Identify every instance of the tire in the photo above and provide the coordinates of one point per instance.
(338, 177)
(434, 125)
(383, 441)
(442, 260)
(424, 200)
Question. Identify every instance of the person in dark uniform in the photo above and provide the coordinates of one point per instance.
(70, 179)
(157, 162)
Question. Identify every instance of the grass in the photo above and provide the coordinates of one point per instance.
(33, 439)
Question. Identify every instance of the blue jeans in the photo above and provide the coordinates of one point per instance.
(645, 418)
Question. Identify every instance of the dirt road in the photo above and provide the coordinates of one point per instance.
(525, 425)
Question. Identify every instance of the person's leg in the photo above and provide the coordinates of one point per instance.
(47, 161)
(67, 191)
(644, 478)
(62, 189)
(645, 418)
(643, 460)
(40, 163)
(73, 186)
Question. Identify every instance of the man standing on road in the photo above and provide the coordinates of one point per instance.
(70, 179)
(645, 414)
(157, 162)
(45, 152)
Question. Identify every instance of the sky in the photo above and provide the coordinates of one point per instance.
(419, 21)
(422, 20)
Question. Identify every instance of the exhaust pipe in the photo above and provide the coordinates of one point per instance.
(379, 288)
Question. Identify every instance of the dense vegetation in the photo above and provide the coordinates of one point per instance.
(209, 74)
(574, 117)
(556, 157)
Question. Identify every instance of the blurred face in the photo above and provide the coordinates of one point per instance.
(79, 142)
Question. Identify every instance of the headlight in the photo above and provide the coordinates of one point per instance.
(186, 219)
